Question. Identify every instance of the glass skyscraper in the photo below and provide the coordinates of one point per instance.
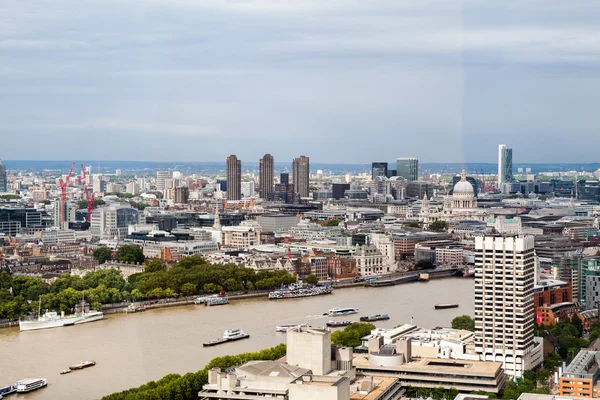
(3, 178)
(408, 168)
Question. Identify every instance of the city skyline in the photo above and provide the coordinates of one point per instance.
(442, 83)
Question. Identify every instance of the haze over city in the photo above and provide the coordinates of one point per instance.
(345, 81)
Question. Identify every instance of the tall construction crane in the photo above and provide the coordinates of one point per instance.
(89, 198)
(63, 194)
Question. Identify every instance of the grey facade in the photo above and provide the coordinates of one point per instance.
(234, 178)
(266, 176)
(301, 175)
(408, 168)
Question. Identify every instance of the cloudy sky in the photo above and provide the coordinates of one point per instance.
(338, 80)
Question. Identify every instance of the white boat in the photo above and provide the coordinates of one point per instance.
(341, 311)
(30, 384)
(52, 319)
(8, 390)
(285, 327)
(229, 335)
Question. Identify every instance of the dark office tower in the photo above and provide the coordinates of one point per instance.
(3, 179)
(408, 168)
(284, 178)
(379, 169)
(266, 176)
(301, 175)
(234, 178)
(338, 190)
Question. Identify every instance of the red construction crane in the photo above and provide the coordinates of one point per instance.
(89, 198)
(63, 194)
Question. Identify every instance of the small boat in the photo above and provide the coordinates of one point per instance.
(338, 323)
(444, 306)
(373, 318)
(230, 335)
(65, 371)
(334, 312)
(82, 365)
(31, 384)
(285, 327)
(217, 301)
(8, 389)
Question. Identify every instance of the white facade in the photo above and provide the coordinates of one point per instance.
(113, 221)
(247, 189)
(385, 245)
(161, 177)
(370, 261)
(240, 237)
(504, 309)
(133, 188)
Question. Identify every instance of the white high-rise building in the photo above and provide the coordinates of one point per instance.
(161, 177)
(504, 309)
(133, 188)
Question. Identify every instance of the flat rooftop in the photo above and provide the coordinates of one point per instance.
(436, 366)
(381, 385)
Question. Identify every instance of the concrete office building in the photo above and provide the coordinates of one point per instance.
(247, 189)
(133, 188)
(505, 174)
(161, 177)
(234, 178)
(113, 221)
(182, 195)
(3, 178)
(265, 168)
(379, 169)
(408, 168)
(301, 175)
(504, 308)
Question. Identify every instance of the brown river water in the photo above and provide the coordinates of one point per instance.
(133, 349)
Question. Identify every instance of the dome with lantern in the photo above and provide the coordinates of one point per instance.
(463, 194)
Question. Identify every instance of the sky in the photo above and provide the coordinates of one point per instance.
(341, 81)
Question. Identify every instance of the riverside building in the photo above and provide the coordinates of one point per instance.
(504, 307)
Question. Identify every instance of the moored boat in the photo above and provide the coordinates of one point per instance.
(217, 301)
(285, 327)
(229, 335)
(65, 371)
(82, 365)
(30, 384)
(444, 306)
(338, 323)
(296, 290)
(376, 317)
(8, 389)
(337, 311)
(52, 319)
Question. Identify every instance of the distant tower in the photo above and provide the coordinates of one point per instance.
(234, 178)
(266, 176)
(3, 178)
(505, 166)
(408, 168)
(379, 169)
(217, 223)
(301, 175)
(161, 177)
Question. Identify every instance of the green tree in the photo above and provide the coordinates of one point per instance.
(352, 334)
(154, 266)
(311, 279)
(464, 322)
(188, 289)
(414, 224)
(102, 254)
(130, 254)
(437, 226)
(333, 222)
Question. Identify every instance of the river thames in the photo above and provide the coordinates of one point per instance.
(136, 348)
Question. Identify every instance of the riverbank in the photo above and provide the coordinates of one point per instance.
(121, 308)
